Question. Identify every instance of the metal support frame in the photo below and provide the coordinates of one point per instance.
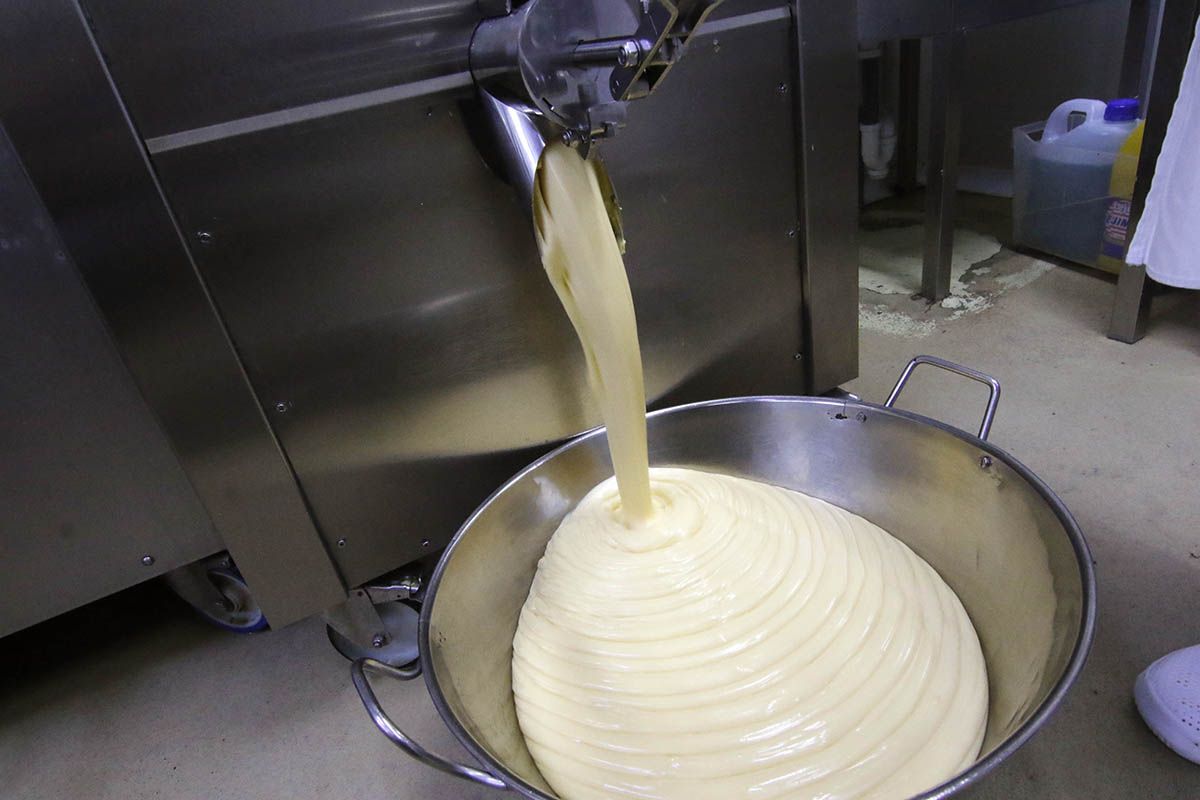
(1135, 290)
(826, 105)
(357, 619)
(946, 24)
(1131, 304)
(360, 623)
(1141, 38)
(908, 115)
(945, 127)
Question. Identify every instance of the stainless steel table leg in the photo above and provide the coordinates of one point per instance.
(945, 126)
(1168, 30)
(908, 115)
(1141, 38)
(1131, 306)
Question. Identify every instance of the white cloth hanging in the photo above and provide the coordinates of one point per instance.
(1167, 238)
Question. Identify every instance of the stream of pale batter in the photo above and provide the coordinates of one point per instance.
(583, 261)
(693, 635)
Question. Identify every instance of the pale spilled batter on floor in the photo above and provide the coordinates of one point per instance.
(691, 635)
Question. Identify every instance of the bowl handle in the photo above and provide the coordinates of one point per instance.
(358, 673)
(993, 386)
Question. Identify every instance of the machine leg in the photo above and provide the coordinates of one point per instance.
(908, 115)
(1131, 306)
(378, 621)
(1167, 27)
(357, 619)
(945, 126)
(1141, 37)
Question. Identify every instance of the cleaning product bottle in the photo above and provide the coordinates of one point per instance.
(1061, 175)
(1120, 198)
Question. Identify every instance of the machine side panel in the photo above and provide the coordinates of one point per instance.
(88, 484)
(89, 166)
(384, 290)
(183, 65)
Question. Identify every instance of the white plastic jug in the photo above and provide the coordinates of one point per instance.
(1061, 177)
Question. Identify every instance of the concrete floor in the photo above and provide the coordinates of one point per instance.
(133, 697)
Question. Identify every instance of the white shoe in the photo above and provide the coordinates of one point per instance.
(1168, 696)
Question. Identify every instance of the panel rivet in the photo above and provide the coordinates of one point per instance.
(985, 461)
(147, 560)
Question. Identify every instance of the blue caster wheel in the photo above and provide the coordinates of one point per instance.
(219, 593)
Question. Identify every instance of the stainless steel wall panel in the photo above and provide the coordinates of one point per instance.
(881, 20)
(971, 14)
(385, 293)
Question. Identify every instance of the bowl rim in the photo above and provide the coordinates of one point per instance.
(1047, 708)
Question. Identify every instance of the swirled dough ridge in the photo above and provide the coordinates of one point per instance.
(746, 641)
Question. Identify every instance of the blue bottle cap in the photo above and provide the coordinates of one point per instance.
(1122, 110)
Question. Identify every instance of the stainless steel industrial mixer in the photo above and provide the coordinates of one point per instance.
(298, 239)
(278, 295)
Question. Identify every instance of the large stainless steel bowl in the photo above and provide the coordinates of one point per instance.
(1002, 540)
